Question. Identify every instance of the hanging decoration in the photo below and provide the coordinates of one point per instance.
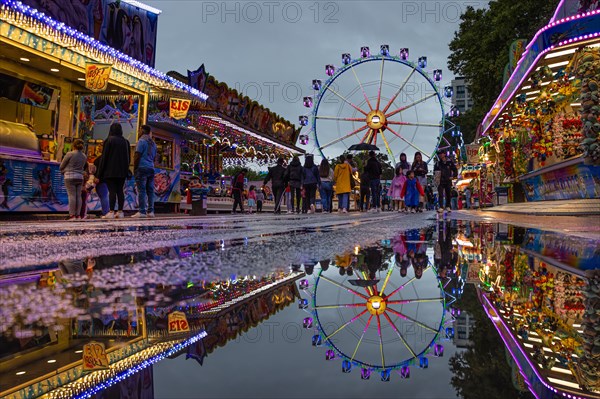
(97, 76)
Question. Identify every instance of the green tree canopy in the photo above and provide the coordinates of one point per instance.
(361, 157)
(480, 49)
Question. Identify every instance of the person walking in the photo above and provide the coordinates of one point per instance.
(260, 198)
(403, 164)
(114, 169)
(101, 188)
(73, 167)
(396, 190)
(326, 190)
(311, 180)
(143, 170)
(365, 192)
(373, 168)
(342, 177)
(420, 168)
(276, 176)
(447, 171)
(468, 197)
(251, 199)
(454, 198)
(237, 187)
(411, 192)
(293, 175)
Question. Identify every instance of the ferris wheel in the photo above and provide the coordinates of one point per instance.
(379, 323)
(381, 99)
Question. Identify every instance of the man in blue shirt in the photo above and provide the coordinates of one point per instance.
(143, 170)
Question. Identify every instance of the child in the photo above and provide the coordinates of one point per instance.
(251, 199)
(411, 191)
(88, 186)
(396, 190)
(260, 197)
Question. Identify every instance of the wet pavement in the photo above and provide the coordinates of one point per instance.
(270, 306)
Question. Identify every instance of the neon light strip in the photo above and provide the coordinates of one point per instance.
(84, 39)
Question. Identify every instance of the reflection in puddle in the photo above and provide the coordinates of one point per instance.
(476, 307)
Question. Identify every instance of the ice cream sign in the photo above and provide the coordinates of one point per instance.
(178, 108)
(96, 76)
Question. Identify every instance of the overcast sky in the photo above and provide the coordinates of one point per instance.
(271, 50)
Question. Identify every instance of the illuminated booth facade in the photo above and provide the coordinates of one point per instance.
(61, 79)
(542, 133)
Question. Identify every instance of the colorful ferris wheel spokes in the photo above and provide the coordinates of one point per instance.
(379, 99)
(379, 321)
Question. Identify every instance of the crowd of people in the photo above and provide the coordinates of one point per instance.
(296, 185)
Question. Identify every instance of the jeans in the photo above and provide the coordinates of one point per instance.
(326, 192)
(444, 188)
(311, 192)
(454, 203)
(259, 204)
(277, 193)
(296, 197)
(375, 193)
(288, 201)
(73, 187)
(365, 196)
(102, 191)
(115, 192)
(468, 202)
(144, 181)
(343, 201)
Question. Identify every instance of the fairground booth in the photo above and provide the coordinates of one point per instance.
(69, 70)
(238, 130)
(541, 135)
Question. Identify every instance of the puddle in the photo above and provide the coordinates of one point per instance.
(446, 311)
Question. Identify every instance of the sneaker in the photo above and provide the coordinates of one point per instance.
(440, 210)
(344, 211)
(312, 209)
(71, 218)
(290, 212)
(109, 215)
(413, 210)
(120, 215)
(448, 210)
(138, 215)
(150, 214)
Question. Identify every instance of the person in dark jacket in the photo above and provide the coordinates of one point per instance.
(293, 175)
(373, 168)
(237, 187)
(311, 180)
(420, 168)
(114, 168)
(447, 171)
(277, 176)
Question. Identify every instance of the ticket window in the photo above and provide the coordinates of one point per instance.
(164, 153)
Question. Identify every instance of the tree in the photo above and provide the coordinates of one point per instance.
(252, 175)
(360, 158)
(481, 371)
(480, 49)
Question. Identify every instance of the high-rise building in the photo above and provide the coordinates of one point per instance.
(463, 328)
(462, 98)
